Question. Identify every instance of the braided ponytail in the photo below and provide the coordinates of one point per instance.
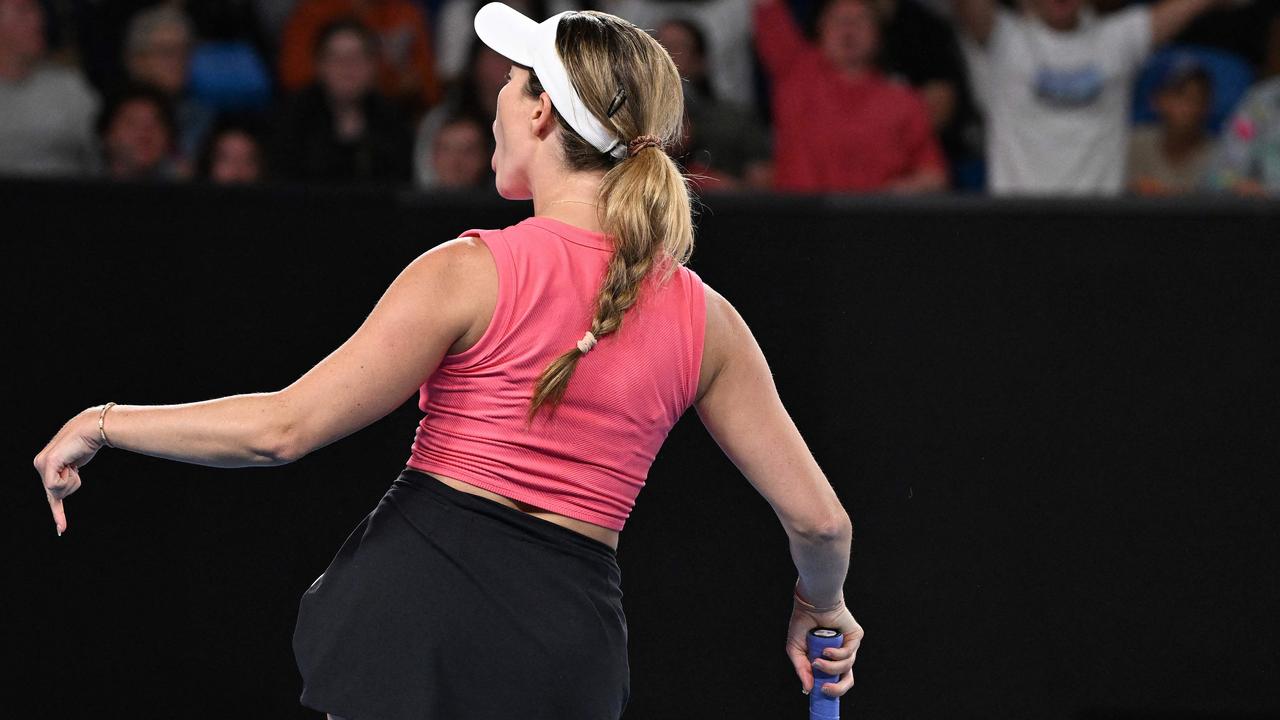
(629, 82)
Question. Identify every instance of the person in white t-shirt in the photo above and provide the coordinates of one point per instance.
(1055, 81)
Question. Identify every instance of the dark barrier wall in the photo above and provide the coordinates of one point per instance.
(1053, 424)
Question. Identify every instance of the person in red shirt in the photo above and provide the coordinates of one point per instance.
(840, 125)
(406, 68)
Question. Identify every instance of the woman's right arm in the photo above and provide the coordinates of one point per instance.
(741, 409)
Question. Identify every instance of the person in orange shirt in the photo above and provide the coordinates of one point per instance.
(406, 71)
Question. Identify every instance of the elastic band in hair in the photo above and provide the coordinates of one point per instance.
(641, 143)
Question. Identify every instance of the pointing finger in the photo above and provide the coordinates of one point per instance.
(59, 514)
(55, 499)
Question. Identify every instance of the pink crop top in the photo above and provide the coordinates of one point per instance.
(590, 460)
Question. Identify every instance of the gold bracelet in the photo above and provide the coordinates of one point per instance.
(812, 608)
(102, 415)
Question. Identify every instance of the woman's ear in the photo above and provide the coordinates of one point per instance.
(542, 120)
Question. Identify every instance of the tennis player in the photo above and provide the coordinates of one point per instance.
(551, 359)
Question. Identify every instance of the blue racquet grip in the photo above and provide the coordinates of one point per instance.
(821, 705)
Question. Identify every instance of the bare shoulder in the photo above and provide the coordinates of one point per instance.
(457, 282)
(463, 254)
(459, 269)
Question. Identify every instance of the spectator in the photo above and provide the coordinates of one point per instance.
(722, 140)
(455, 30)
(1055, 81)
(229, 71)
(462, 154)
(406, 62)
(839, 124)
(474, 93)
(1172, 156)
(731, 65)
(137, 129)
(233, 155)
(46, 111)
(157, 53)
(340, 128)
(920, 48)
(1247, 160)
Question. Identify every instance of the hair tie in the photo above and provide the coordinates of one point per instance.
(587, 342)
(641, 143)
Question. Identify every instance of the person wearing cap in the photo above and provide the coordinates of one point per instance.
(550, 358)
(1055, 81)
(1172, 155)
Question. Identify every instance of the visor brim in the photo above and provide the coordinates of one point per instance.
(508, 32)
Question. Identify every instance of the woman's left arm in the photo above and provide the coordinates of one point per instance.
(402, 341)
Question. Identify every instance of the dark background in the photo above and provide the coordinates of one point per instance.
(1053, 424)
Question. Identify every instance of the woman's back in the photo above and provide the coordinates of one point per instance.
(590, 460)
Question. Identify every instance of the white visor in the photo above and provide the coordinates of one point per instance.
(524, 42)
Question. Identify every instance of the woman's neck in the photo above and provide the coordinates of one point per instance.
(573, 200)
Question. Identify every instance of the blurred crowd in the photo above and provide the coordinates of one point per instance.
(857, 96)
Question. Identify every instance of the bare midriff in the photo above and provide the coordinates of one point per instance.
(605, 535)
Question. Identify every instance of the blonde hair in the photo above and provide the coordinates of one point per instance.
(645, 200)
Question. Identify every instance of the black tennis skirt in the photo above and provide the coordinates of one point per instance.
(443, 605)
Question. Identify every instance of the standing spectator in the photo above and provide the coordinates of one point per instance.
(839, 123)
(1171, 157)
(137, 130)
(462, 154)
(722, 140)
(157, 52)
(1056, 83)
(46, 111)
(405, 59)
(233, 155)
(340, 128)
(1247, 161)
(474, 93)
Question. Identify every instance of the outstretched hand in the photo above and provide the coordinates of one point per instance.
(834, 661)
(60, 461)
